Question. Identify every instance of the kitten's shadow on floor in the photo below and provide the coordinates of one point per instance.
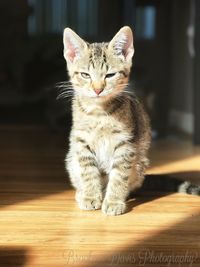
(157, 186)
(137, 199)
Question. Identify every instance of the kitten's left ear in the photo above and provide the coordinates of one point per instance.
(122, 43)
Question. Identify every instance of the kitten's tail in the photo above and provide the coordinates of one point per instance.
(165, 183)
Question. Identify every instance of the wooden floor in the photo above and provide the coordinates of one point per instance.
(40, 224)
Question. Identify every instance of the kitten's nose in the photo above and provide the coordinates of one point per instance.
(98, 91)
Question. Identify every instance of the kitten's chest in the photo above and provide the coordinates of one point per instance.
(102, 133)
(104, 138)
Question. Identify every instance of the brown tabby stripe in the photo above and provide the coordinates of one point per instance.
(122, 160)
(120, 144)
(97, 113)
(128, 156)
(80, 140)
(116, 104)
(91, 151)
(88, 164)
(91, 61)
(85, 158)
(122, 165)
(80, 106)
(116, 131)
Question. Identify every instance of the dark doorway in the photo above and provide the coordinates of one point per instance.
(152, 65)
(197, 76)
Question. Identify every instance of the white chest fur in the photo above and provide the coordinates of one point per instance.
(106, 134)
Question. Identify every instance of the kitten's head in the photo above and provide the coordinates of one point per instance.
(99, 70)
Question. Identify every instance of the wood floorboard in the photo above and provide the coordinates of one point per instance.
(41, 225)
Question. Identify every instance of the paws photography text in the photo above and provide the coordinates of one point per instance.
(140, 257)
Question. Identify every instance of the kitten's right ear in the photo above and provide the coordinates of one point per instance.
(122, 43)
(73, 45)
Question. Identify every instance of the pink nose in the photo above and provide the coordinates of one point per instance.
(98, 91)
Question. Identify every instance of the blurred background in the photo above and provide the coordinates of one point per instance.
(166, 65)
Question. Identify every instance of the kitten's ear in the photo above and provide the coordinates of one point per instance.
(122, 43)
(73, 45)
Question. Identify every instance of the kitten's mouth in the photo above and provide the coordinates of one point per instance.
(97, 97)
(100, 96)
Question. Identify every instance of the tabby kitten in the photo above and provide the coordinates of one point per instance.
(110, 135)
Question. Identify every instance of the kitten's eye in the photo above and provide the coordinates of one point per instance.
(110, 75)
(85, 75)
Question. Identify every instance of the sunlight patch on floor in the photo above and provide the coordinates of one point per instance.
(187, 164)
(53, 225)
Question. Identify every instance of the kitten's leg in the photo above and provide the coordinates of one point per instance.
(137, 176)
(118, 185)
(85, 171)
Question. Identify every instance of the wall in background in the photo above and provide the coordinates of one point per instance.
(181, 115)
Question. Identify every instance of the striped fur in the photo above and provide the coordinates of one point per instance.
(110, 136)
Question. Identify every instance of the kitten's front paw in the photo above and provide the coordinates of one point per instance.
(113, 207)
(87, 203)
